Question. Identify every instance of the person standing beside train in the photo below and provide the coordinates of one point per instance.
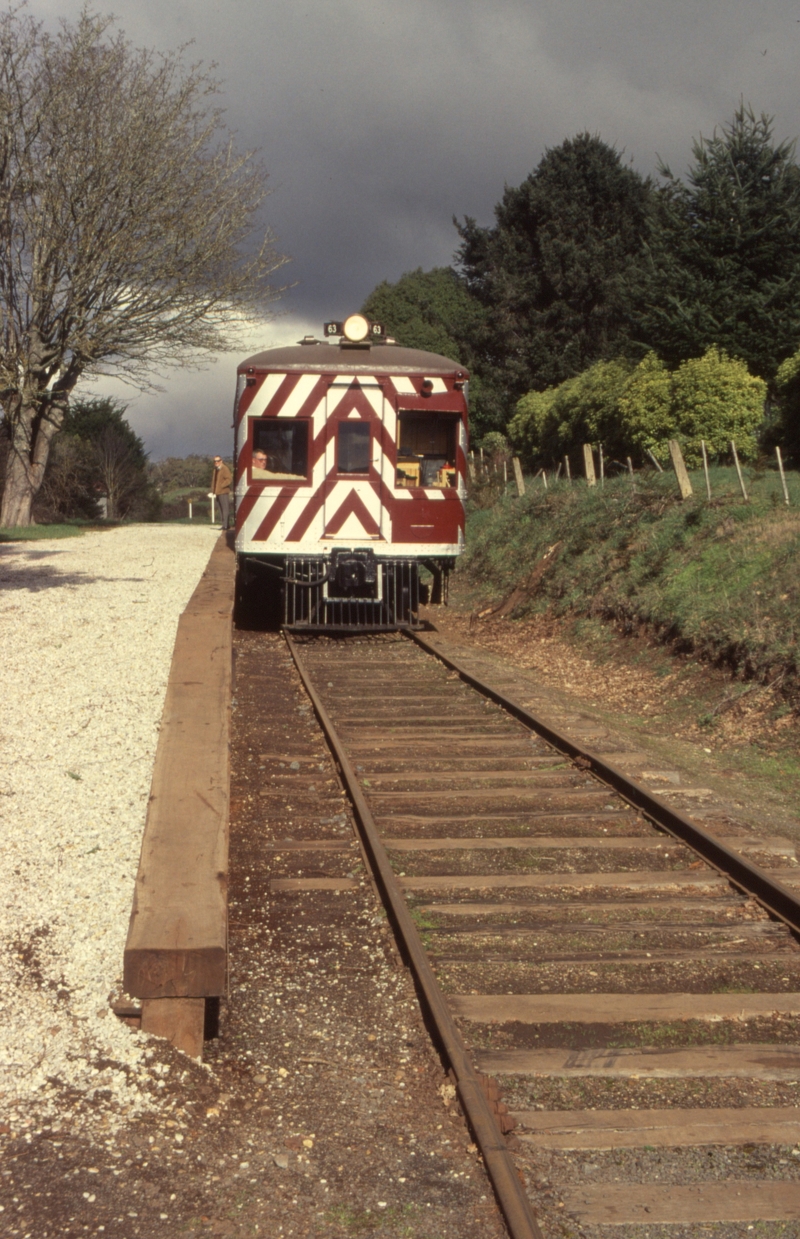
(221, 489)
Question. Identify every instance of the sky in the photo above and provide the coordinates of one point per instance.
(379, 120)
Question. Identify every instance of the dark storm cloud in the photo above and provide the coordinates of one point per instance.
(378, 120)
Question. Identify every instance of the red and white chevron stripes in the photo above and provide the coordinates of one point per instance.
(328, 507)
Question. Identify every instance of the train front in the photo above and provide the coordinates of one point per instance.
(350, 480)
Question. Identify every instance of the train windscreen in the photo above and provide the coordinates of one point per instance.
(285, 445)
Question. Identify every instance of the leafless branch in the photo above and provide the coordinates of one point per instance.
(127, 234)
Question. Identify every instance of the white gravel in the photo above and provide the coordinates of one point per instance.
(87, 627)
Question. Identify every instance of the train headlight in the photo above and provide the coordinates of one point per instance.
(356, 328)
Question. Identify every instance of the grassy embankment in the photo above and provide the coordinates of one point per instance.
(720, 579)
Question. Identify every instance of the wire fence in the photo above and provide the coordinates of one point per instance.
(494, 472)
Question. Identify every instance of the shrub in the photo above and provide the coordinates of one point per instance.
(528, 429)
(716, 398)
(646, 407)
(581, 410)
(787, 382)
(631, 410)
(495, 445)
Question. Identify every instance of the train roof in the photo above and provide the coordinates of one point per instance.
(321, 357)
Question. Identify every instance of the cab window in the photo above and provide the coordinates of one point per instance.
(426, 449)
(285, 446)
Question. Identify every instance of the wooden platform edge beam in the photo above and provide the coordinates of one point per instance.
(176, 950)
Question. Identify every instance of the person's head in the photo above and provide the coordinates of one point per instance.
(217, 462)
(259, 459)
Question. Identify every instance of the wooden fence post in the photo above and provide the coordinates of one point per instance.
(567, 473)
(783, 476)
(676, 456)
(602, 465)
(705, 467)
(655, 462)
(738, 468)
(544, 478)
(588, 465)
(518, 478)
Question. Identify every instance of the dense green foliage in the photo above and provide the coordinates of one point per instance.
(561, 272)
(727, 250)
(590, 268)
(787, 429)
(429, 310)
(97, 455)
(585, 409)
(631, 410)
(434, 311)
(714, 397)
(718, 578)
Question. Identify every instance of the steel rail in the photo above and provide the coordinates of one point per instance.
(509, 1190)
(750, 878)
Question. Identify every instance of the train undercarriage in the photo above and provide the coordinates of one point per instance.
(348, 590)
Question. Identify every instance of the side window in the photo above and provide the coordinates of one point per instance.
(426, 449)
(280, 450)
(353, 447)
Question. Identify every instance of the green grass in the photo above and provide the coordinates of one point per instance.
(715, 578)
(31, 533)
(195, 493)
(398, 1221)
(424, 921)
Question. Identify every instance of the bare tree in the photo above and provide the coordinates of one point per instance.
(127, 235)
(65, 489)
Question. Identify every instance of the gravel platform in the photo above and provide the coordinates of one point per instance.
(87, 627)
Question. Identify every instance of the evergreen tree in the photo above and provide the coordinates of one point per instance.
(563, 272)
(727, 253)
(96, 455)
(429, 310)
(434, 311)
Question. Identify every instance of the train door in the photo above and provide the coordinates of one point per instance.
(354, 416)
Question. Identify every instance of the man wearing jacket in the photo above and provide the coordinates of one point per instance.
(221, 488)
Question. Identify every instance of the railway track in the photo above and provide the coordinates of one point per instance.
(632, 979)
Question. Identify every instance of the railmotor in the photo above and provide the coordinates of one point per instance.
(350, 476)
